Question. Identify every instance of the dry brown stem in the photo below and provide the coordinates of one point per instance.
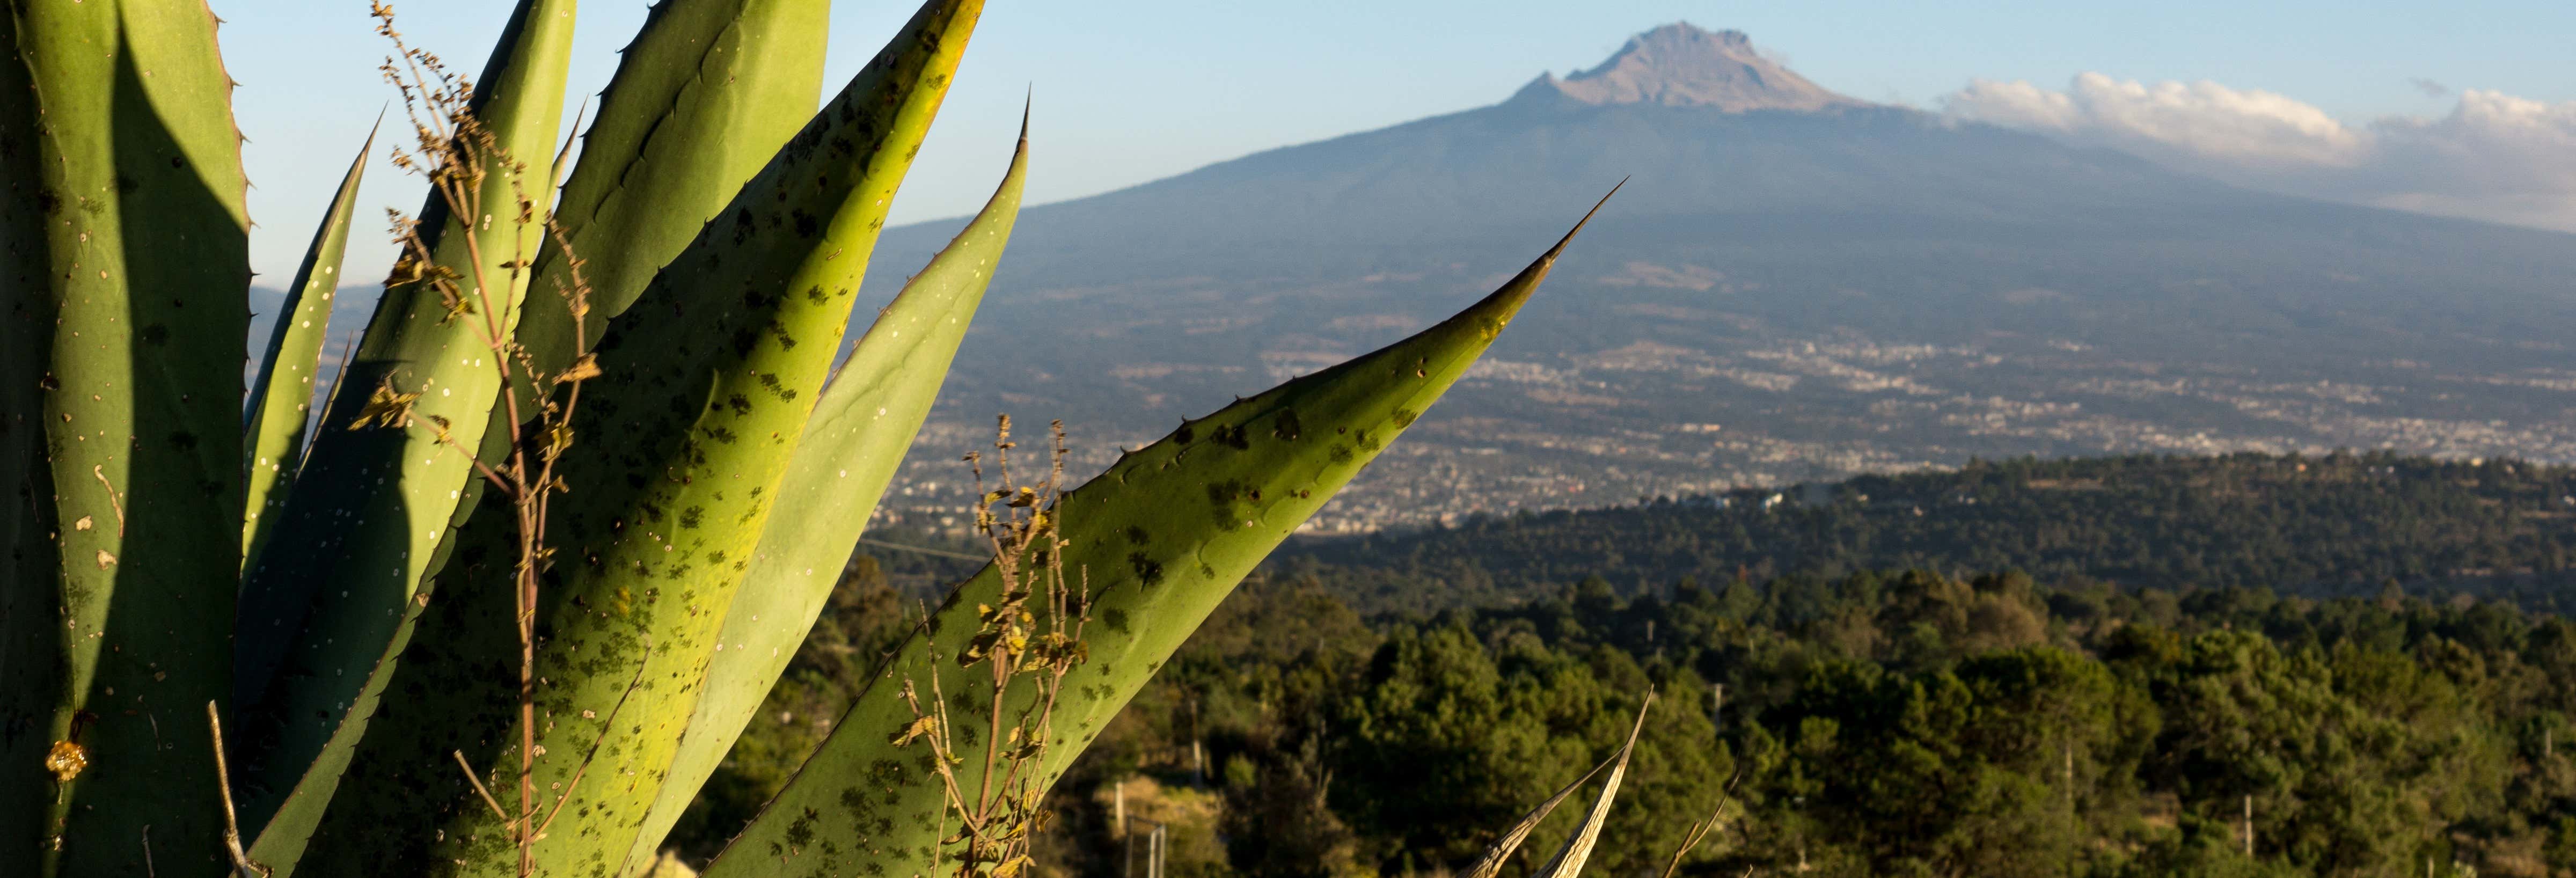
(456, 154)
(1014, 645)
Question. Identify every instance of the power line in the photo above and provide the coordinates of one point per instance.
(944, 553)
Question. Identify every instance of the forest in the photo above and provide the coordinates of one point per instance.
(2320, 525)
(1978, 692)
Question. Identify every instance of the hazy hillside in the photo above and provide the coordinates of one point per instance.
(1776, 295)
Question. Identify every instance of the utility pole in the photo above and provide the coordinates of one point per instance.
(1198, 757)
(2249, 827)
(1153, 850)
(1156, 863)
(1717, 705)
(2070, 776)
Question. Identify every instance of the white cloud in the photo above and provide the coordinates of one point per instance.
(2494, 157)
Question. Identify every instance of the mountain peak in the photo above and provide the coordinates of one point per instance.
(1681, 65)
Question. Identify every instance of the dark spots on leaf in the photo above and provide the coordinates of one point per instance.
(769, 380)
(1368, 442)
(1224, 492)
(689, 518)
(1221, 500)
(1116, 619)
(49, 202)
(1184, 435)
(806, 224)
(1148, 570)
(740, 404)
(1286, 426)
(1231, 437)
(801, 832)
(1404, 418)
(1138, 536)
(183, 440)
(1340, 453)
(815, 295)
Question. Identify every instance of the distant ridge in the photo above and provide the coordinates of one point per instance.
(1680, 65)
(1796, 286)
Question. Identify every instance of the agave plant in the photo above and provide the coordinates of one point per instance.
(585, 481)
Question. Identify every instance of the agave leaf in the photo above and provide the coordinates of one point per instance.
(326, 591)
(703, 97)
(1568, 861)
(1158, 541)
(124, 120)
(683, 439)
(281, 400)
(30, 640)
(853, 443)
(286, 824)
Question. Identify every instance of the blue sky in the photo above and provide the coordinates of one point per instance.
(1132, 90)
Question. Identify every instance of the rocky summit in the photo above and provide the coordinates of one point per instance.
(1684, 66)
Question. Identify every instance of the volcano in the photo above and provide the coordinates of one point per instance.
(1794, 285)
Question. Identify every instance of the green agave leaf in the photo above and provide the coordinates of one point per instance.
(702, 98)
(31, 639)
(1569, 859)
(281, 400)
(704, 95)
(123, 143)
(324, 595)
(288, 826)
(1160, 539)
(855, 440)
(682, 441)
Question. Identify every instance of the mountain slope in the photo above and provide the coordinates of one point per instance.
(1778, 295)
